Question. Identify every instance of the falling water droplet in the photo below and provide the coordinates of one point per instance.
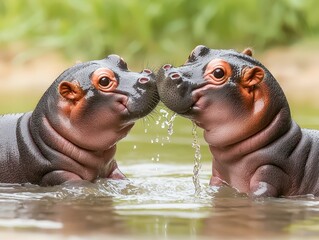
(197, 161)
(164, 113)
(170, 124)
(164, 120)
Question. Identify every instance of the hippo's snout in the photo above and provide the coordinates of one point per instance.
(143, 95)
(174, 89)
(147, 75)
(177, 78)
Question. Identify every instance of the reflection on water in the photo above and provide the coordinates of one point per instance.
(157, 200)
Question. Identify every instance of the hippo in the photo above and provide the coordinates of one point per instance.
(256, 146)
(72, 133)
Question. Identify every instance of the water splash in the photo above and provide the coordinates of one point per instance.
(164, 120)
(146, 125)
(170, 125)
(168, 121)
(197, 161)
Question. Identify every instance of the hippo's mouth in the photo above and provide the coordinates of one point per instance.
(198, 99)
(122, 107)
(121, 103)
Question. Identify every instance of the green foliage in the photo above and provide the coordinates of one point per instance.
(143, 28)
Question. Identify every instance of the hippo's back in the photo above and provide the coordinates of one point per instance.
(10, 169)
(313, 152)
(306, 157)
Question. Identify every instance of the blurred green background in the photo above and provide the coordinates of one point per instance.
(152, 31)
(39, 39)
(147, 33)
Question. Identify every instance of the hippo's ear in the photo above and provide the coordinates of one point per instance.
(252, 76)
(248, 51)
(198, 51)
(71, 90)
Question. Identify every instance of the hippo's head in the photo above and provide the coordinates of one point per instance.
(107, 84)
(229, 94)
(94, 104)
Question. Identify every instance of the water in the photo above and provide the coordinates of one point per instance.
(197, 161)
(165, 121)
(169, 123)
(158, 201)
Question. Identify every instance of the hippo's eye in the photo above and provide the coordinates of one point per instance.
(218, 73)
(106, 83)
(104, 79)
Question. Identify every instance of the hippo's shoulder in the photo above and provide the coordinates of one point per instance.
(313, 139)
(10, 117)
(8, 129)
(10, 170)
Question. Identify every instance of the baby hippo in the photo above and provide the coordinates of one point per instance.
(73, 131)
(257, 148)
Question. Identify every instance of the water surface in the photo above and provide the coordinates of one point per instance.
(158, 201)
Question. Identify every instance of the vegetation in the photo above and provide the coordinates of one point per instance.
(152, 29)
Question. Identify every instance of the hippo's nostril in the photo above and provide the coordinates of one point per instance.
(143, 80)
(175, 76)
(167, 66)
(147, 71)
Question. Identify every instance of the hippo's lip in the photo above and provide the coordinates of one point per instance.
(197, 95)
(121, 102)
(122, 107)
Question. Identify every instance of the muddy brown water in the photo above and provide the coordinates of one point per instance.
(157, 201)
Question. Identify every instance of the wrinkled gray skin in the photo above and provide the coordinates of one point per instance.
(66, 139)
(256, 146)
